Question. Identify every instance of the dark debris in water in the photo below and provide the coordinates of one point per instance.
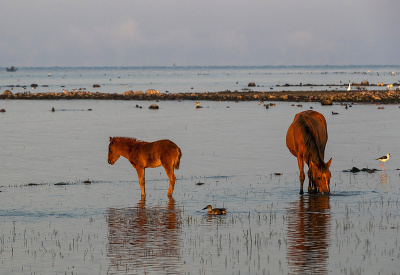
(200, 183)
(356, 170)
(61, 183)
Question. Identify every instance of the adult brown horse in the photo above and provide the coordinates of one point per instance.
(306, 139)
(142, 154)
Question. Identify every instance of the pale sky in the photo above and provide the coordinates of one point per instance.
(199, 33)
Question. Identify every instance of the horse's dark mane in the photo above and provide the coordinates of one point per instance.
(312, 152)
(128, 139)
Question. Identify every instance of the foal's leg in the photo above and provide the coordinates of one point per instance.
(302, 175)
(140, 172)
(171, 175)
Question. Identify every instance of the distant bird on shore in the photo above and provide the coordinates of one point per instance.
(383, 159)
(349, 88)
(198, 105)
(215, 211)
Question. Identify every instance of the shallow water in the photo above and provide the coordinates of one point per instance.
(53, 223)
(194, 79)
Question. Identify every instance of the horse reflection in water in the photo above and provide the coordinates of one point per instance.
(144, 239)
(308, 235)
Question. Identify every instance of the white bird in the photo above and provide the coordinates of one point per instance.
(349, 88)
(383, 159)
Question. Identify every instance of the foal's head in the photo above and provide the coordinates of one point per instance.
(321, 176)
(113, 151)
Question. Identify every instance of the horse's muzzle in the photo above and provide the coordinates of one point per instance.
(111, 162)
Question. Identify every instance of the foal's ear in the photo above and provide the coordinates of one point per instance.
(111, 139)
(329, 163)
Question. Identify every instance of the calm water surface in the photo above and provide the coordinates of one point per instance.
(194, 79)
(51, 222)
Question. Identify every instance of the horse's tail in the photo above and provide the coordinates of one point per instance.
(178, 158)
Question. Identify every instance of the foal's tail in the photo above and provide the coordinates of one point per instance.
(178, 158)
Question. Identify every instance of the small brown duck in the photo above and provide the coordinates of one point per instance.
(215, 211)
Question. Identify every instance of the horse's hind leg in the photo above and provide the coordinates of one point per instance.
(171, 176)
(302, 175)
(140, 172)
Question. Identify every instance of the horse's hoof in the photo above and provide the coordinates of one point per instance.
(301, 192)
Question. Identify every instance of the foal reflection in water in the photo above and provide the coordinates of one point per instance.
(142, 154)
(145, 239)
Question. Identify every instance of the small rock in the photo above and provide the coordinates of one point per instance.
(154, 107)
(2, 110)
(152, 92)
(96, 86)
(326, 102)
(251, 84)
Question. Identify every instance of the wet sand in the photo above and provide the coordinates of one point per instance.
(324, 96)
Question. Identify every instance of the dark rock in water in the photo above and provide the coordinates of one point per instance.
(96, 86)
(364, 83)
(353, 170)
(53, 110)
(369, 170)
(87, 181)
(89, 109)
(356, 170)
(7, 92)
(2, 110)
(251, 84)
(34, 85)
(154, 107)
(200, 183)
(61, 183)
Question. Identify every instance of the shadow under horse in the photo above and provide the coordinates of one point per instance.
(306, 139)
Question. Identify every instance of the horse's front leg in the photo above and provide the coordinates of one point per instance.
(140, 172)
(311, 187)
(171, 176)
(302, 175)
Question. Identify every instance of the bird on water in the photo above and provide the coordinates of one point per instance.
(215, 211)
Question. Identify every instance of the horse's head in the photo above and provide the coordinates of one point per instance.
(321, 176)
(112, 152)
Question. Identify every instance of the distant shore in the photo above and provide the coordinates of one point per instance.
(325, 97)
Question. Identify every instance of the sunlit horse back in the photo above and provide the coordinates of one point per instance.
(306, 139)
(142, 154)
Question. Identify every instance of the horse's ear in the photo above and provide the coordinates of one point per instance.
(329, 163)
(111, 139)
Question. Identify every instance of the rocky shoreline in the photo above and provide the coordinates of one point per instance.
(325, 97)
